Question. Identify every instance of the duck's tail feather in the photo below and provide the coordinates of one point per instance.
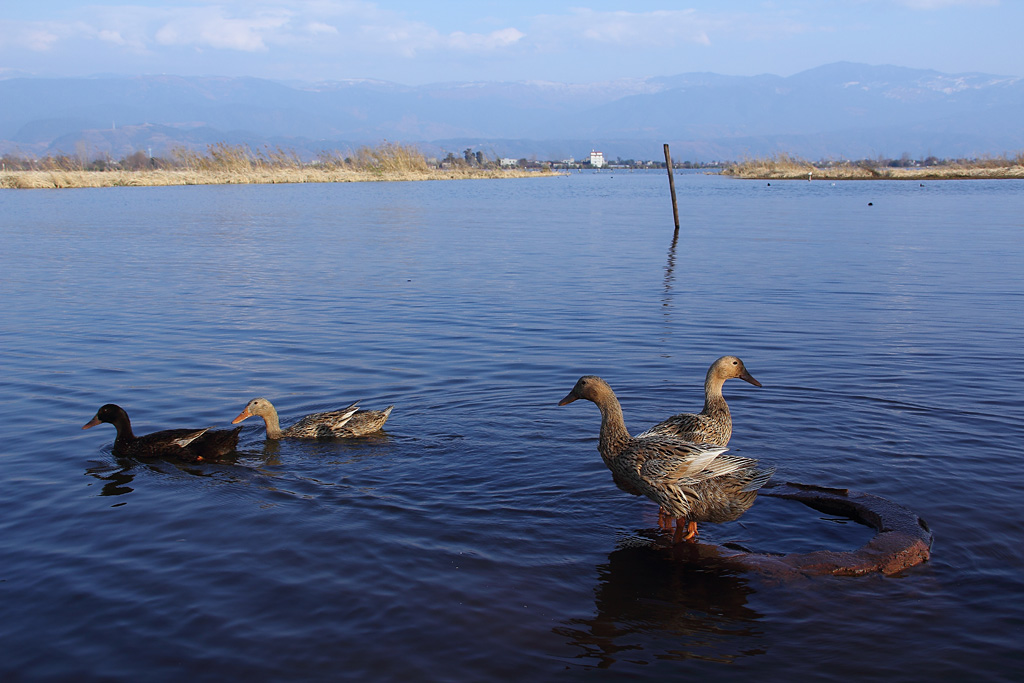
(760, 479)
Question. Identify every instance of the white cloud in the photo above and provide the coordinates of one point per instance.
(109, 36)
(626, 28)
(413, 38)
(336, 26)
(211, 27)
(662, 28)
(38, 40)
(320, 28)
(480, 42)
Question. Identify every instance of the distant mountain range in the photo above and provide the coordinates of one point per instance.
(841, 110)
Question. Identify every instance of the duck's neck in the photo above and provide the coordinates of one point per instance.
(273, 425)
(614, 436)
(714, 403)
(125, 435)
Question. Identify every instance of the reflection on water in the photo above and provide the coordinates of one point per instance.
(651, 605)
(670, 267)
(116, 483)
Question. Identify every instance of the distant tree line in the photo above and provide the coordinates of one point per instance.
(393, 156)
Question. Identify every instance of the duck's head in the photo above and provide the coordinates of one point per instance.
(257, 406)
(728, 367)
(111, 413)
(590, 387)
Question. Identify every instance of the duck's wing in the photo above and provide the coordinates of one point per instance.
(323, 424)
(366, 421)
(679, 425)
(686, 464)
(165, 443)
(189, 438)
(695, 428)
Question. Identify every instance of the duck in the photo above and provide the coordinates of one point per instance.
(713, 424)
(191, 445)
(691, 482)
(345, 423)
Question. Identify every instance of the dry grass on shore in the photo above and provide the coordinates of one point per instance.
(233, 165)
(70, 179)
(784, 166)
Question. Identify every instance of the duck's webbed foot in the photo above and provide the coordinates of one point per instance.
(689, 535)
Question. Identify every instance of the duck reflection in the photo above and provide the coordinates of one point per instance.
(116, 482)
(117, 477)
(653, 604)
(339, 451)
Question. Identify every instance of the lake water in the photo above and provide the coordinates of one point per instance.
(479, 537)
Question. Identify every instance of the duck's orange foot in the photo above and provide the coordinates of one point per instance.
(664, 520)
(689, 535)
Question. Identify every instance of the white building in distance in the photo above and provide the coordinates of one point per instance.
(597, 159)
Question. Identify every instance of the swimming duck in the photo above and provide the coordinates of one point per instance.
(345, 423)
(691, 482)
(192, 445)
(714, 423)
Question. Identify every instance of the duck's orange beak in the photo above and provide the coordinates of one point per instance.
(91, 423)
(241, 416)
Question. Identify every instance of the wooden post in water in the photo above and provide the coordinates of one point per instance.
(672, 186)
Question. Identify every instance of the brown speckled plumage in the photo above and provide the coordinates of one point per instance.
(691, 482)
(714, 423)
(190, 445)
(345, 423)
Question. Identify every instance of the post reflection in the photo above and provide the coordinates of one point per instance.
(670, 268)
(654, 605)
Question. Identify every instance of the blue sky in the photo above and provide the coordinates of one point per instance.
(425, 41)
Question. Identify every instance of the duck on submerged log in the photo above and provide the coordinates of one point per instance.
(691, 482)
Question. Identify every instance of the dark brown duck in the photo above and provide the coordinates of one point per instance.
(191, 445)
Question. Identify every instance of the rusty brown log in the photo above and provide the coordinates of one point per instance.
(902, 539)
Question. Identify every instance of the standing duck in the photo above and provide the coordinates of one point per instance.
(345, 423)
(691, 482)
(714, 423)
(192, 445)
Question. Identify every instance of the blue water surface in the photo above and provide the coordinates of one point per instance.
(479, 537)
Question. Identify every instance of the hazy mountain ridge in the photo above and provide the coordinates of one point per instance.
(843, 109)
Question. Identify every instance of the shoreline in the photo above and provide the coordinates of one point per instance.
(770, 171)
(29, 180)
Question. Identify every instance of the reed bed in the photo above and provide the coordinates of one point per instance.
(224, 164)
(784, 166)
(70, 179)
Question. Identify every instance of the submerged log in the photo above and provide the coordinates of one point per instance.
(902, 539)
